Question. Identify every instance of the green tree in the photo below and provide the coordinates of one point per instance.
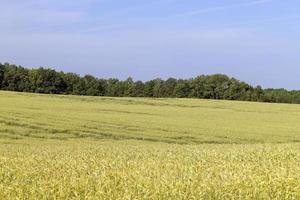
(149, 87)
(198, 86)
(71, 80)
(1, 74)
(138, 90)
(112, 86)
(128, 87)
(169, 87)
(91, 85)
(217, 86)
(158, 88)
(182, 89)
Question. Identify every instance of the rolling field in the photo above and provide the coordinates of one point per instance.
(71, 147)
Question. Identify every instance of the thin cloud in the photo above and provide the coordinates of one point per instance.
(220, 8)
(135, 7)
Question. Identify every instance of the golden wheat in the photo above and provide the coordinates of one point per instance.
(141, 170)
(69, 147)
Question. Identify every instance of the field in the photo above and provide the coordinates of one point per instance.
(71, 147)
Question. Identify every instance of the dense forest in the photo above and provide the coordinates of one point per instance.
(218, 86)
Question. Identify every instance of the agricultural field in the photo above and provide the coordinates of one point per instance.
(73, 147)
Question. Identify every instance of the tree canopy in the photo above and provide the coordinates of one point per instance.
(217, 86)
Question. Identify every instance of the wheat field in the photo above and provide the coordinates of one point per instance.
(72, 147)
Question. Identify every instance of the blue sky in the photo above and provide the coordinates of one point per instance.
(257, 41)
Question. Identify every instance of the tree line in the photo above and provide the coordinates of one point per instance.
(217, 86)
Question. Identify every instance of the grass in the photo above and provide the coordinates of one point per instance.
(71, 147)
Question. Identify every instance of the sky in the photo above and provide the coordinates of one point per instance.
(257, 41)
